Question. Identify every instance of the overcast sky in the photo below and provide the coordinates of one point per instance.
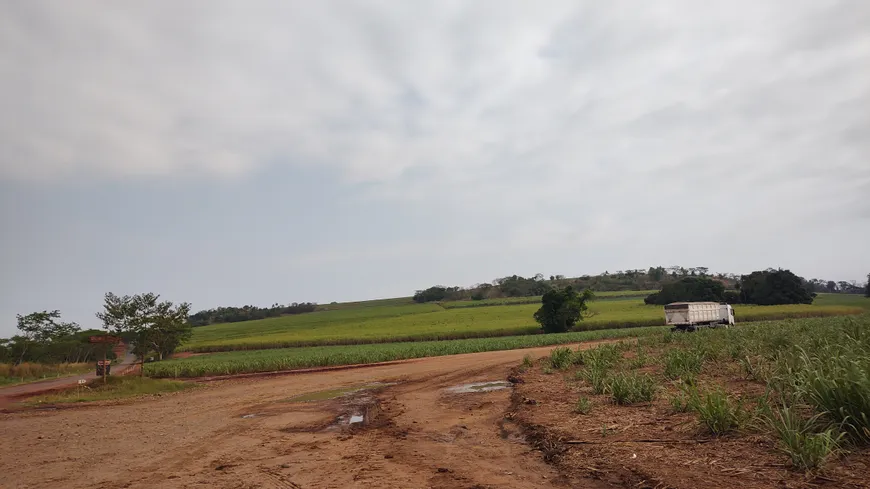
(230, 153)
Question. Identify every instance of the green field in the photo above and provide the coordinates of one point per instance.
(234, 362)
(227, 363)
(396, 320)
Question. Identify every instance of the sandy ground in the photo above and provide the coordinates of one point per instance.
(245, 434)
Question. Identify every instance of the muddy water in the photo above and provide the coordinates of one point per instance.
(326, 395)
(486, 386)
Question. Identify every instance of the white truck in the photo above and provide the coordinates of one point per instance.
(689, 316)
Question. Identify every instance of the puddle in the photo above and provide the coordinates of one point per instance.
(356, 418)
(248, 416)
(488, 386)
(336, 393)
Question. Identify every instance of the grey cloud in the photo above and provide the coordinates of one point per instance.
(600, 116)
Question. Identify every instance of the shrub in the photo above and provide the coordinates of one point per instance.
(808, 448)
(631, 388)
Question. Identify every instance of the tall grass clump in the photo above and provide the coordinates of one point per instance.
(583, 406)
(837, 383)
(596, 378)
(682, 364)
(561, 358)
(800, 438)
(631, 388)
(716, 411)
(603, 357)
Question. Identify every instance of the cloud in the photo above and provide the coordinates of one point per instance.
(528, 128)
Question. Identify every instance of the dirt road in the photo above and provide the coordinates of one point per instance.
(246, 434)
(9, 395)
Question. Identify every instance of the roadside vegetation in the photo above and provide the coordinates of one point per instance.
(116, 388)
(32, 372)
(321, 356)
(803, 384)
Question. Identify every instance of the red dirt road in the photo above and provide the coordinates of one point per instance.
(415, 434)
(9, 395)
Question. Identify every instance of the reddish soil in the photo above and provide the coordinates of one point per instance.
(10, 395)
(651, 446)
(415, 434)
(243, 433)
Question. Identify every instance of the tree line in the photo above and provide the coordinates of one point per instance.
(150, 326)
(638, 279)
(248, 313)
(764, 287)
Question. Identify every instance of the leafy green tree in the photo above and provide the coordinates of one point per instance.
(769, 287)
(562, 308)
(42, 327)
(867, 287)
(689, 289)
(147, 322)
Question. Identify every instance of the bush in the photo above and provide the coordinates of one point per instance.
(808, 448)
(631, 388)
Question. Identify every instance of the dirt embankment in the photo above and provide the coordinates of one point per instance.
(652, 446)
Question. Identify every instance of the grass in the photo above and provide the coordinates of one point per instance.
(631, 388)
(583, 406)
(33, 372)
(682, 364)
(117, 388)
(815, 373)
(561, 358)
(226, 363)
(716, 410)
(799, 437)
(395, 320)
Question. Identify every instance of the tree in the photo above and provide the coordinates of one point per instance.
(42, 327)
(689, 289)
(867, 287)
(150, 324)
(170, 329)
(562, 308)
(770, 287)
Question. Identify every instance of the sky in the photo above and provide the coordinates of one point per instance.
(230, 153)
